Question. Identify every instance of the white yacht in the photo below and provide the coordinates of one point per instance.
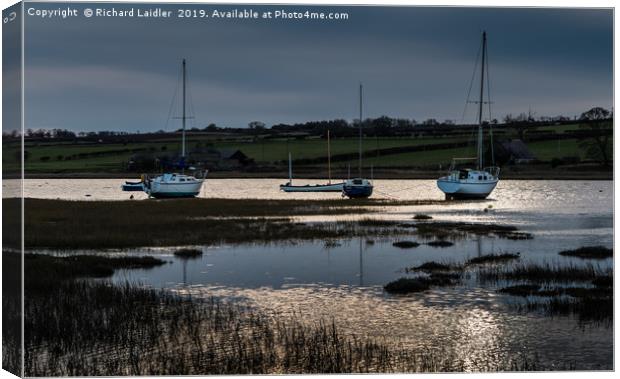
(478, 182)
(175, 184)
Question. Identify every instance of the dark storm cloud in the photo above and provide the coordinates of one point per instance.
(121, 74)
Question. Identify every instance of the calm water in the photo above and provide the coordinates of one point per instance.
(315, 280)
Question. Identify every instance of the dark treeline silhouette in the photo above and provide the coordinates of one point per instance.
(384, 126)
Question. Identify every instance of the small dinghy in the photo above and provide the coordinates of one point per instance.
(133, 186)
(327, 187)
(334, 187)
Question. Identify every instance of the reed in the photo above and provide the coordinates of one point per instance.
(542, 273)
(604, 281)
(94, 328)
(11, 312)
(587, 309)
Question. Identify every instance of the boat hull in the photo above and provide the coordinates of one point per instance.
(357, 192)
(168, 190)
(169, 195)
(336, 187)
(466, 189)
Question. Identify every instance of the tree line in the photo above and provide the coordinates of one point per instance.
(380, 126)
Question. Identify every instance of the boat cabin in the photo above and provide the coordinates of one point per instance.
(358, 182)
(471, 175)
(176, 178)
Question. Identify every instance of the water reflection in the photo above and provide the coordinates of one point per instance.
(482, 332)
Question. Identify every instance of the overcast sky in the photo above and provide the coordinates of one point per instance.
(108, 73)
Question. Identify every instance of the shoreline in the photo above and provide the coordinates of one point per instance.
(525, 174)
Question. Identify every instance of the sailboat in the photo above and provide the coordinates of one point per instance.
(327, 187)
(358, 187)
(478, 182)
(175, 184)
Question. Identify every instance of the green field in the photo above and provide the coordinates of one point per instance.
(263, 151)
(70, 157)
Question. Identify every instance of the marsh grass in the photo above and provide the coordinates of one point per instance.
(543, 272)
(590, 301)
(58, 224)
(589, 252)
(146, 332)
(594, 289)
(443, 230)
(603, 281)
(11, 312)
(94, 328)
(43, 270)
(434, 266)
(404, 286)
(587, 309)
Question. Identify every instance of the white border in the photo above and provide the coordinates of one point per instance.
(461, 3)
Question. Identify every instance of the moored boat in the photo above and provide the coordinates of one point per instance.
(175, 184)
(334, 187)
(358, 187)
(327, 187)
(133, 186)
(478, 182)
(469, 183)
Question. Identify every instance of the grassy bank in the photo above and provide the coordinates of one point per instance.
(104, 224)
(59, 224)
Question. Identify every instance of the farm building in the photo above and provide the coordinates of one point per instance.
(220, 158)
(515, 151)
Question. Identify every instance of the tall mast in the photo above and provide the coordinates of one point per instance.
(329, 161)
(290, 169)
(183, 117)
(480, 103)
(360, 139)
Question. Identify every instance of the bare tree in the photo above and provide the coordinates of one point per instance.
(599, 137)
